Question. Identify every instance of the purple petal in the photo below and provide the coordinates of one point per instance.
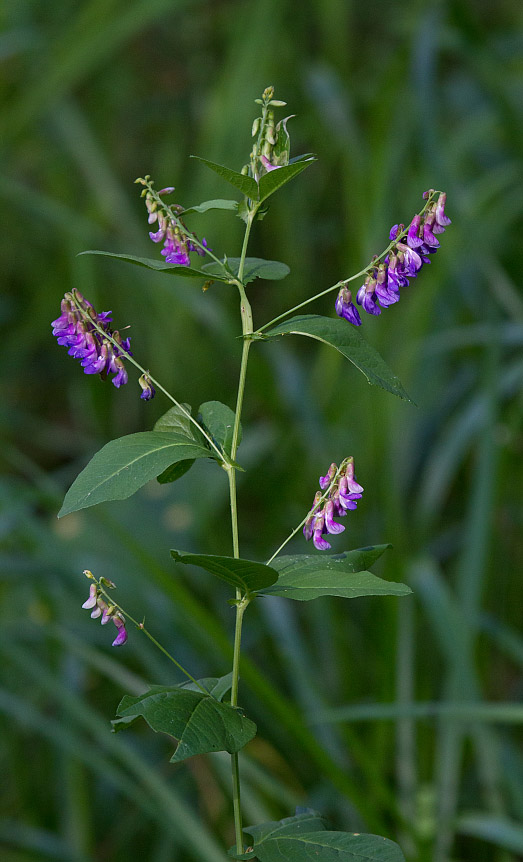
(332, 526)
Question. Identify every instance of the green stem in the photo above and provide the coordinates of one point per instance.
(241, 601)
(151, 638)
(345, 281)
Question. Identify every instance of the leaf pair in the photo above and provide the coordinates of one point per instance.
(200, 722)
(305, 837)
(268, 184)
(301, 577)
(124, 465)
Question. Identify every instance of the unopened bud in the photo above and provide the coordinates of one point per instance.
(277, 103)
(256, 126)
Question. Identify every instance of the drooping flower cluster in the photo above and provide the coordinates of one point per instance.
(76, 329)
(99, 608)
(404, 261)
(177, 240)
(342, 493)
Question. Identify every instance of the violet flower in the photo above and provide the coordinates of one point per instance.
(405, 260)
(86, 334)
(341, 492)
(178, 242)
(100, 608)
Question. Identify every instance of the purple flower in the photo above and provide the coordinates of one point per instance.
(86, 335)
(148, 390)
(341, 491)
(346, 308)
(121, 637)
(407, 256)
(267, 164)
(178, 242)
(100, 608)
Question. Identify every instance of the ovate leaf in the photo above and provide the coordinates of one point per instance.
(247, 185)
(218, 204)
(255, 267)
(303, 838)
(346, 338)
(245, 575)
(277, 178)
(176, 419)
(306, 577)
(125, 464)
(159, 265)
(201, 723)
(218, 419)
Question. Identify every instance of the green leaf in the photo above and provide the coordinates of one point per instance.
(274, 180)
(176, 420)
(175, 471)
(306, 577)
(247, 185)
(125, 464)
(304, 837)
(199, 722)
(158, 265)
(218, 204)
(245, 575)
(255, 267)
(218, 419)
(217, 686)
(344, 337)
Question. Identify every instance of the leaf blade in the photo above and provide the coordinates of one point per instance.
(217, 204)
(273, 180)
(201, 723)
(349, 342)
(246, 575)
(255, 267)
(124, 465)
(245, 184)
(305, 577)
(157, 265)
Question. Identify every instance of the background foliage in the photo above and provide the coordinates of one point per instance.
(391, 715)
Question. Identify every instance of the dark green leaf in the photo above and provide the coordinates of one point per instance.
(245, 575)
(158, 265)
(218, 204)
(304, 837)
(217, 686)
(306, 577)
(175, 471)
(125, 464)
(218, 419)
(247, 185)
(176, 420)
(274, 180)
(255, 267)
(200, 722)
(346, 338)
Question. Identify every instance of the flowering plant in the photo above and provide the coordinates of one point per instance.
(204, 715)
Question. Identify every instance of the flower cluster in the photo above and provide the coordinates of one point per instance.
(100, 608)
(83, 332)
(177, 240)
(403, 262)
(340, 493)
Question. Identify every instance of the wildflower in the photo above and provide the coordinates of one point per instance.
(346, 308)
(99, 608)
(86, 334)
(406, 258)
(341, 492)
(178, 242)
(148, 390)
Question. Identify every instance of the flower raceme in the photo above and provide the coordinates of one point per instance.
(99, 608)
(340, 493)
(84, 333)
(178, 242)
(404, 261)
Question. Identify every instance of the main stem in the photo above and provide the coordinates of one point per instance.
(241, 601)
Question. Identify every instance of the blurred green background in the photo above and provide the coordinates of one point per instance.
(393, 716)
